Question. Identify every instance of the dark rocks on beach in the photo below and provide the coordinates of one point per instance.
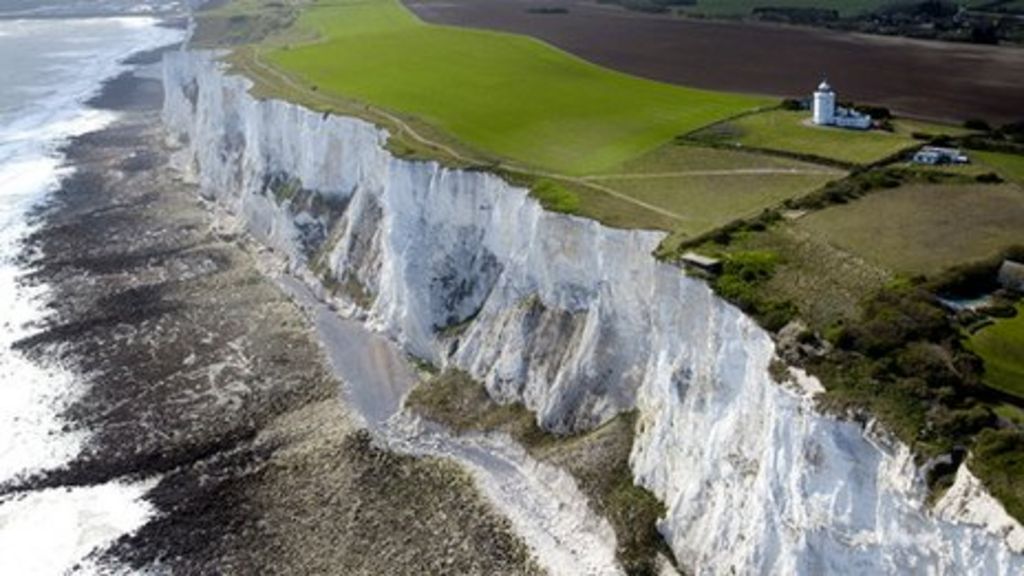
(198, 371)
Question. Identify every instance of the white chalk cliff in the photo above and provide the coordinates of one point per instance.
(579, 322)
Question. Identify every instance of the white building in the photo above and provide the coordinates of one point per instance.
(824, 104)
(938, 155)
(826, 113)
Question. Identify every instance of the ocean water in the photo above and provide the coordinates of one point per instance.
(67, 8)
(49, 68)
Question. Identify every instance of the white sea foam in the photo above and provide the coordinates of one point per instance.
(69, 523)
(31, 133)
(51, 68)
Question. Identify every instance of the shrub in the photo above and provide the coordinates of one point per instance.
(930, 362)
(989, 178)
(876, 112)
(792, 105)
(548, 10)
(892, 319)
(975, 278)
(962, 423)
(998, 460)
(977, 124)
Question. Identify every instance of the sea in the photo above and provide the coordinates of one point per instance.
(54, 56)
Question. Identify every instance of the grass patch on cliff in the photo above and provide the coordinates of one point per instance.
(556, 197)
(509, 96)
(598, 460)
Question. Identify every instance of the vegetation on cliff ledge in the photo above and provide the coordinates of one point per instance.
(598, 460)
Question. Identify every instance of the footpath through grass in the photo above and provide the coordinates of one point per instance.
(508, 96)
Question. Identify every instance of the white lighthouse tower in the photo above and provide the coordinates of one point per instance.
(824, 104)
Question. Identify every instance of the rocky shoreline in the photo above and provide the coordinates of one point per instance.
(200, 372)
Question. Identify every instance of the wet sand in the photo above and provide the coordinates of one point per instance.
(203, 377)
(940, 80)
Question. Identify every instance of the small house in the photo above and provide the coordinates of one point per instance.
(934, 155)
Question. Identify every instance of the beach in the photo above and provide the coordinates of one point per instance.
(202, 403)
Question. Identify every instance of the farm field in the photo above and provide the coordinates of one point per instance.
(792, 132)
(683, 157)
(697, 189)
(1009, 166)
(924, 229)
(744, 7)
(935, 80)
(508, 96)
(910, 126)
(707, 201)
(1000, 346)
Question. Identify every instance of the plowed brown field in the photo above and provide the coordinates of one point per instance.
(919, 78)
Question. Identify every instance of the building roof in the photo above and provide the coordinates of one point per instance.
(701, 261)
(1011, 275)
(942, 150)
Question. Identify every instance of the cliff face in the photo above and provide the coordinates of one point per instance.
(579, 322)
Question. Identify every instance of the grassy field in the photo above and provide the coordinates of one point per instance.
(792, 132)
(680, 157)
(706, 187)
(744, 7)
(706, 202)
(1009, 166)
(508, 96)
(908, 126)
(826, 284)
(1002, 347)
(924, 229)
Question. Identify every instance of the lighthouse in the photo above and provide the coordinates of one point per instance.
(824, 104)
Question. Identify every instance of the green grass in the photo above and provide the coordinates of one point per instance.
(708, 187)
(744, 7)
(1001, 346)
(924, 229)
(826, 284)
(508, 96)
(908, 126)
(1010, 413)
(556, 197)
(707, 202)
(682, 157)
(792, 132)
(998, 460)
(1009, 166)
